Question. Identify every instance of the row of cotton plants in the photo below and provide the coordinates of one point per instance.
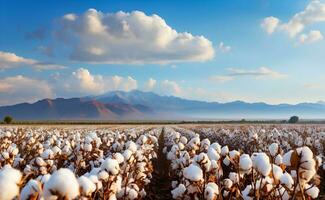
(65, 163)
(201, 169)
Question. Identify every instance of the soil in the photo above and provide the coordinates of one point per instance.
(159, 187)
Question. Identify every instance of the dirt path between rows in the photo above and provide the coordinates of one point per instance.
(160, 185)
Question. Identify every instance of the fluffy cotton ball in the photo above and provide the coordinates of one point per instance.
(178, 191)
(9, 180)
(245, 162)
(111, 166)
(32, 189)
(274, 148)
(193, 173)
(63, 182)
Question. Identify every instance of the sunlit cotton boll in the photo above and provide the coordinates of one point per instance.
(211, 191)
(262, 163)
(31, 190)
(273, 149)
(245, 162)
(9, 180)
(86, 185)
(193, 173)
(62, 182)
(111, 166)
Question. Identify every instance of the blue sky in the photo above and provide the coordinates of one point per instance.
(250, 50)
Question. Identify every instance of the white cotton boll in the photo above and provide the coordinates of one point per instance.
(174, 184)
(211, 191)
(278, 159)
(277, 171)
(9, 180)
(40, 162)
(88, 147)
(216, 146)
(213, 154)
(226, 161)
(246, 192)
(287, 158)
(312, 191)
(287, 180)
(233, 154)
(111, 166)
(193, 173)
(103, 175)
(227, 183)
(178, 191)
(5, 155)
(32, 189)
(132, 194)
(234, 177)
(131, 146)
(183, 140)
(64, 183)
(245, 162)
(128, 155)
(119, 157)
(45, 178)
(56, 150)
(47, 154)
(262, 163)
(86, 185)
(273, 149)
(224, 150)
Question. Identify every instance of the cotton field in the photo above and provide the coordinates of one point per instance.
(162, 162)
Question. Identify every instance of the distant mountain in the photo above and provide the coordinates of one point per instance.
(139, 105)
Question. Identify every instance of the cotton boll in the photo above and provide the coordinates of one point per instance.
(131, 146)
(311, 191)
(103, 175)
(287, 180)
(227, 183)
(287, 158)
(211, 191)
(87, 147)
(193, 173)
(86, 185)
(224, 150)
(9, 180)
(226, 161)
(178, 191)
(119, 157)
(213, 154)
(111, 166)
(47, 154)
(62, 182)
(273, 149)
(246, 193)
(233, 154)
(278, 159)
(40, 162)
(245, 162)
(234, 177)
(277, 172)
(31, 190)
(262, 163)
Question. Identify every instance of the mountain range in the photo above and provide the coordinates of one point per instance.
(139, 105)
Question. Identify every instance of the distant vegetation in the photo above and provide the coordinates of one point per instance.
(293, 119)
(7, 119)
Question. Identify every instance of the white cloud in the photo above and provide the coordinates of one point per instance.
(222, 79)
(17, 89)
(269, 24)
(262, 72)
(82, 82)
(171, 87)
(311, 37)
(11, 60)
(151, 83)
(313, 13)
(224, 48)
(129, 38)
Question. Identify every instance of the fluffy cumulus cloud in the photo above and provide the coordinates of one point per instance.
(311, 37)
(10, 60)
(82, 82)
(262, 72)
(150, 84)
(313, 13)
(171, 87)
(129, 38)
(17, 89)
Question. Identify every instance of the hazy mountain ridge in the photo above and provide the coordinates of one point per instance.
(133, 105)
